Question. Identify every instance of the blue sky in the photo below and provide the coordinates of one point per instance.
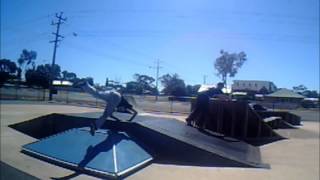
(119, 38)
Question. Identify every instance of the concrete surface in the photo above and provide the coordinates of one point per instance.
(9, 172)
(294, 158)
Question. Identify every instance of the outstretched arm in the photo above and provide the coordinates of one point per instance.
(91, 90)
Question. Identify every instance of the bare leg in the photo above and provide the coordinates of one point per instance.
(131, 110)
(115, 118)
(107, 113)
(134, 114)
(112, 99)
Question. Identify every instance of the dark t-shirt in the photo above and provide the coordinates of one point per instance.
(211, 92)
(258, 107)
(204, 97)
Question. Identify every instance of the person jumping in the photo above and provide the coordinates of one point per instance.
(113, 101)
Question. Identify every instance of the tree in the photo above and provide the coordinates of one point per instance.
(143, 79)
(41, 75)
(299, 89)
(173, 85)
(303, 90)
(192, 90)
(26, 58)
(145, 83)
(46, 70)
(35, 78)
(141, 85)
(310, 94)
(133, 87)
(8, 70)
(229, 64)
(69, 76)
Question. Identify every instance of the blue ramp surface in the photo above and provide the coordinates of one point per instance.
(109, 153)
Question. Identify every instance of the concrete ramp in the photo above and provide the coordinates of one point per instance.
(171, 137)
(235, 119)
(110, 154)
(288, 117)
(167, 141)
(276, 122)
(237, 151)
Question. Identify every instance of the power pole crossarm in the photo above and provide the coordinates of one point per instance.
(61, 20)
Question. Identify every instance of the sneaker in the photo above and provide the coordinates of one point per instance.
(188, 122)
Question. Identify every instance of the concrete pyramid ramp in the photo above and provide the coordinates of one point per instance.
(109, 153)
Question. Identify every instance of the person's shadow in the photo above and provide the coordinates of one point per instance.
(113, 138)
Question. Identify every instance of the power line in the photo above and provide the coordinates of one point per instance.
(202, 12)
(21, 26)
(94, 51)
(23, 41)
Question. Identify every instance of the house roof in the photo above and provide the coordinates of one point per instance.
(205, 87)
(62, 83)
(285, 93)
(252, 81)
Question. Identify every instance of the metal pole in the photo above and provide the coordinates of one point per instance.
(57, 35)
(157, 67)
(205, 79)
(157, 77)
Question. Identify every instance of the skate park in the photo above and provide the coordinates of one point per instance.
(140, 90)
(165, 142)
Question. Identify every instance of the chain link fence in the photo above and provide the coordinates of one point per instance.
(146, 103)
(13, 92)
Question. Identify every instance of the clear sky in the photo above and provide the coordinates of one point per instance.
(116, 39)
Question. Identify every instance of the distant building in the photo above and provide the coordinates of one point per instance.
(261, 87)
(311, 103)
(285, 98)
(284, 95)
(205, 87)
(61, 83)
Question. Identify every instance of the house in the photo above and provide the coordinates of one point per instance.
(284, 99)
(205, 87)
(310, 103)
(61, 83)
(284, 95)
(255, 86)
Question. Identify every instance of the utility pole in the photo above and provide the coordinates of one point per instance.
(157, 67)
(58, 38)
(205, 79)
